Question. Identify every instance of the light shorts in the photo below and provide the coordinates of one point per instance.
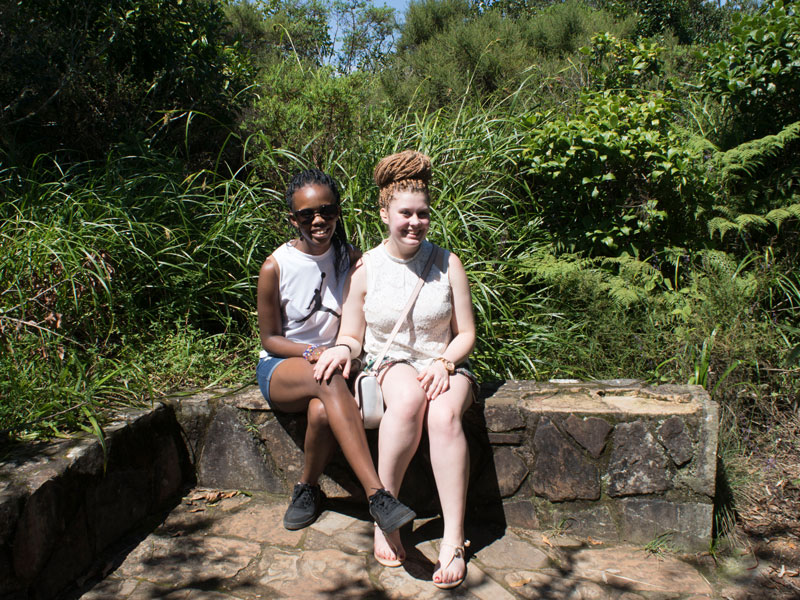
(464, 368)
(266, 367)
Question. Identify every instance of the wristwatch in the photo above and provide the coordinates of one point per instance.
(448, 364)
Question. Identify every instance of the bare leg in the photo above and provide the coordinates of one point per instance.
(400, 432)
(450, 463)
(293, 387)
(319, 444)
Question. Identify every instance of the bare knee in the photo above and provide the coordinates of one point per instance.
(408, 406)
(317, 415)
(443, 421)
(335, 390)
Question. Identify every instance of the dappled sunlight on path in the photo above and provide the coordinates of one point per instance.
(226, 546)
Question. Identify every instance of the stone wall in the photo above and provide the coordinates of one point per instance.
(63, 503)
(614, 460)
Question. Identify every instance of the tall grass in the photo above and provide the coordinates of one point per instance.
(101, 262)
(123, 279)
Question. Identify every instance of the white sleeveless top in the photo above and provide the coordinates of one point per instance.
(426, 332)
(311, 297)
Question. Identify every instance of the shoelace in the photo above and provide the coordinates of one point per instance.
(381, 499)
(304, 496)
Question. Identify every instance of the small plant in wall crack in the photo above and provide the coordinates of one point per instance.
(561, 528)
(660, 544)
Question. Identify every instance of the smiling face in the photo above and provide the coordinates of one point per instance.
(309, 217)
(408, 216)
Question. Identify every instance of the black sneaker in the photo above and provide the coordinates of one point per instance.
(389, 513)
(305, 506)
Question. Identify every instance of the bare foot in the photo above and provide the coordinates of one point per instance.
(389, 548)
(451, 569)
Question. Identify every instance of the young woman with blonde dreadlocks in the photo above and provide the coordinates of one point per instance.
(300, 292)
(422, 376)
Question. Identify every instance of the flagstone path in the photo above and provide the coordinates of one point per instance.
(216, 546)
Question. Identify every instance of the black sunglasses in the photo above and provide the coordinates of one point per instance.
(306, 216)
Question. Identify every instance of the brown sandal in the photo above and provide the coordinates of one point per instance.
(458, 552)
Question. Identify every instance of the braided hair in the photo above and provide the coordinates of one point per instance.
(407, 171)
(341, 257)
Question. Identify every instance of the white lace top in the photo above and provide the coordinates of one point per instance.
(426, 331)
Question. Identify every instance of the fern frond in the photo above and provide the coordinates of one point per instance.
(744, 160)
(622, 292)
(722, 226)
(632, 269)
(699, 145)
(778, 215)
(718, 261)
(725, 210)
(747, 220)
(549, 266)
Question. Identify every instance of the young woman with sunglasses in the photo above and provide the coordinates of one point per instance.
(423, 377)
(300, 292)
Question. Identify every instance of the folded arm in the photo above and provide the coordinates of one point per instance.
(351, 329)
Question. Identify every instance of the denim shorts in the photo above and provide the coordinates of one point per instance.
(266, 367)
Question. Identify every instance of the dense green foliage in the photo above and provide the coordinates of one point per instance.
(100, 260)
(756, 73)
(632, 184)
(628, 209)
(280, 30)
(85, 76)
(447, 53)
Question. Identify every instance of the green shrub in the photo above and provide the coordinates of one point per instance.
(448, 55)
(756, 74)
(470, 59)
(633, 183)
(677, 316)
(311, 111)
(621, 64)
(427, 19)
(562, 28)
(282, 29)
(690, 21)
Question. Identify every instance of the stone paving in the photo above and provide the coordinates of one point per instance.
(216, 546)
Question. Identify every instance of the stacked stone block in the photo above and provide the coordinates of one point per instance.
(614, 460)
(62, 504)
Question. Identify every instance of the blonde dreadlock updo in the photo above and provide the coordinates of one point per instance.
(407, 171)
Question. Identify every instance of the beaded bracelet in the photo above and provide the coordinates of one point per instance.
(309, 350)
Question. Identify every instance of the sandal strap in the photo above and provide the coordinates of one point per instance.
(458, 552)
(392, 545)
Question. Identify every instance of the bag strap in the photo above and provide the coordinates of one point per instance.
(408, 306)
